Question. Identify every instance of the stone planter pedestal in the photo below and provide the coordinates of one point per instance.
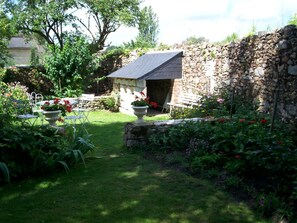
(140, 111)
(52, 116)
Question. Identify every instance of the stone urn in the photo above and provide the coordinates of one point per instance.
(140, 111)
(52, 116)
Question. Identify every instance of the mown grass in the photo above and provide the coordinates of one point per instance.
(119, 186)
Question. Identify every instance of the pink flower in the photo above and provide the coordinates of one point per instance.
(220, 100)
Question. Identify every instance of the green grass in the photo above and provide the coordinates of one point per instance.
(118, 186)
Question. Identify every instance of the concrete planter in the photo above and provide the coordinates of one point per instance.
(52, 116)
(140, 111)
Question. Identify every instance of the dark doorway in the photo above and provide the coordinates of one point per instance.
(158, 90)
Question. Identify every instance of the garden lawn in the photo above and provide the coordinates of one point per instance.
(118, 186)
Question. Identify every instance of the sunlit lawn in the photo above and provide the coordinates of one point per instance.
(118, 186)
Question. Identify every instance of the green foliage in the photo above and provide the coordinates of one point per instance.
(108, 16)
(192, 40)
(109, 103)
(31, 77)
(31, 151)
(69, 68)
(293, 20)
(148, 28)
(46, 19)
(244, 151)
(5, 172)
(209, 105)
(231, 38)
(252, 31)
(13, 101)
(34, 59)
(5, 34)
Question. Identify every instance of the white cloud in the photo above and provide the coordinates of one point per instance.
(213, 19)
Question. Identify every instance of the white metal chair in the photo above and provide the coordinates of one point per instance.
(35, 99)
(23, 113)
(82, 109)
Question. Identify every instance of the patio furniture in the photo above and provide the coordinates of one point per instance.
(23, 113)
(82, 109)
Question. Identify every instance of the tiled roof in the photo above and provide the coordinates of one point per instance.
(152, 66)
(18, 42)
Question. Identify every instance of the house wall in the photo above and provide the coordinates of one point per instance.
(20, 56)
(126, 89)
(20, 50)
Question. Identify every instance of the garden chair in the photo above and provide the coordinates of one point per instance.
(83, 106)
(35, 102)
(24, 111)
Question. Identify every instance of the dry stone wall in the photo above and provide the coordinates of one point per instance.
(255, 67)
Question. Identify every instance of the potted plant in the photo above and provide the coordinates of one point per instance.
(140, 106)
(53, 110)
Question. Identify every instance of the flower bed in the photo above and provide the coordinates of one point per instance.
(239, 154)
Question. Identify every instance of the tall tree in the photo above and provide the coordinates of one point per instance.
(148, 27)
(108, 16)
(47, 18)
(5, 34)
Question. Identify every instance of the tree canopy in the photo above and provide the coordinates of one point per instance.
(56, 19)
(148, 27)
(5, 34)
(108, 16)
(48, 19)
(293, 20)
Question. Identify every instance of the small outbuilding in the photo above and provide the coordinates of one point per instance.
(153, 73)
(21, 50)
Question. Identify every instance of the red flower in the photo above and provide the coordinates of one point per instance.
(242, 120)
(263, 121)
(47, 103)
(56, 101)
(237, 156)
(154, 104)
(251, 122)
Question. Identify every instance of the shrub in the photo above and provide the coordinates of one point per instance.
(31, 77)
(245, 152)
(30, 151)
(109, 103)
(68, 68)
(13, 101)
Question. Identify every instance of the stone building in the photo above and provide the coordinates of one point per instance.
(20, 50)
(153, 74)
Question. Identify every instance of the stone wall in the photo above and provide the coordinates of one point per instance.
(126, 88)
(255, 67)
(138, 134)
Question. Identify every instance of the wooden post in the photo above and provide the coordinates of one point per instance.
(231, 102)
(276, 94)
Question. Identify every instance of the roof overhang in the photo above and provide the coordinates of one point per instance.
(153, 66)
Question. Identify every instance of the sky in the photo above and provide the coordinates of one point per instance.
(212, 19)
